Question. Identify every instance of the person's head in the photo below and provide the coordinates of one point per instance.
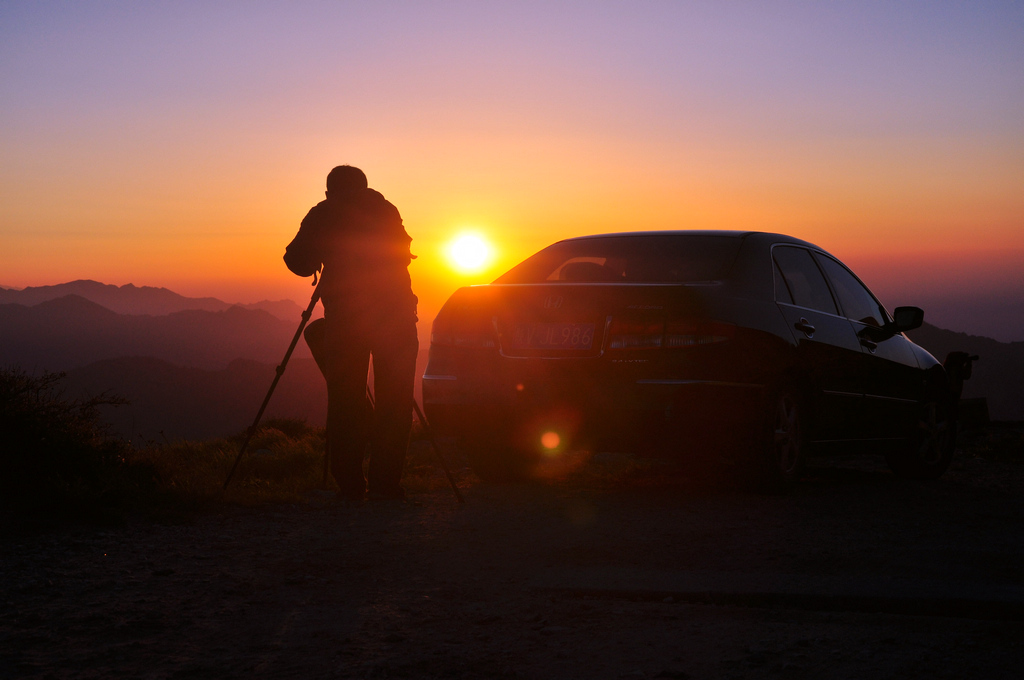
(345, 180)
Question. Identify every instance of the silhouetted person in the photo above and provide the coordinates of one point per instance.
(358, 239)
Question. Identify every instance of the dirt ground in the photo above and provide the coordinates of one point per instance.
(617, 571)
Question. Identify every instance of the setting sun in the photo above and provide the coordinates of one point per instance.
(469, 252)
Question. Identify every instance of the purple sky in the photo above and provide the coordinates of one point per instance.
(179, 143)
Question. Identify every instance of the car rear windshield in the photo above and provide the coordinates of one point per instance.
(629, 259)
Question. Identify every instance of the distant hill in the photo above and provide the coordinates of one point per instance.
(991, 315)
(130, 299)
(71, 332)
(188, 374)
(998, 375)
(171, 402)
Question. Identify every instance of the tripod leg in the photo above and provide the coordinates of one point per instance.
(277, 378)
(437, 451)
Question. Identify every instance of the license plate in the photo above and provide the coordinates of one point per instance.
(553, 336)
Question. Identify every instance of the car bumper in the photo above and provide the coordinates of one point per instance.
(627, 410)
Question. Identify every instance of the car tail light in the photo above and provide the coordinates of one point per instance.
(627, 334)
(463, 332)
(676, 333)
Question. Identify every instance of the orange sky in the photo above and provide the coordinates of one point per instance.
(176, 148)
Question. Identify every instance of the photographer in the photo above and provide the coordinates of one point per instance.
(357, 239)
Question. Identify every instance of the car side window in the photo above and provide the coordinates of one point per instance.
(586, 270)
(857, 301)
(782, 293)
(804, 280)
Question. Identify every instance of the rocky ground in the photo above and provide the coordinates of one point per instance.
(617, 571)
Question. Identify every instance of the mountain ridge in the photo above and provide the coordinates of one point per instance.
(70, 332)
(138, 300)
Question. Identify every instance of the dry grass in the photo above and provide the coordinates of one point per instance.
(282, 462)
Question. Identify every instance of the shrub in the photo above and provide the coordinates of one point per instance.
(59, 461)
(55, 453)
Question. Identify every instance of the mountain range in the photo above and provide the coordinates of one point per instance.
(199, 373)
(998, 375)
(169, 402)
(187, 372)
(70, 332)
(130, 299)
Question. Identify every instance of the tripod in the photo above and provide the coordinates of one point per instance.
(277, 378)
(280, 371)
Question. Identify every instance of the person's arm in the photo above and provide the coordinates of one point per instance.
(398, 239)
(303, 256)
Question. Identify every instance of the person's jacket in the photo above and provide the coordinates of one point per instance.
(363, 249)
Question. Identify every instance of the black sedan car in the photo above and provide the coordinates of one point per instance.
(746, 346)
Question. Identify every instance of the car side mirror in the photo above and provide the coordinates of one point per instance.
(907, 319)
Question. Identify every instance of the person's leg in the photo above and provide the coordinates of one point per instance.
(394, 369)
(315, 335)
(348, 423)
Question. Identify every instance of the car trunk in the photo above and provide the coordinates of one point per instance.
(569, 320)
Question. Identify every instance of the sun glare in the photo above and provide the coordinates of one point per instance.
(469, 252)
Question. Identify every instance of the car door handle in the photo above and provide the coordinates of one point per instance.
(870, 344)
(805, 327)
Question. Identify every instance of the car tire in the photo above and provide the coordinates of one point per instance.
(932, 444)
(783, 444)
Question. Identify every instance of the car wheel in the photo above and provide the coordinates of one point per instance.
(932, 445)
(783, 446)
(494, 460)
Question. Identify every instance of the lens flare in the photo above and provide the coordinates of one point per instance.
(550, 440)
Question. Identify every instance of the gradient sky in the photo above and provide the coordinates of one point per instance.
(179, 144)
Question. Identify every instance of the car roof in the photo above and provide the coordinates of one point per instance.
(761, 236)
